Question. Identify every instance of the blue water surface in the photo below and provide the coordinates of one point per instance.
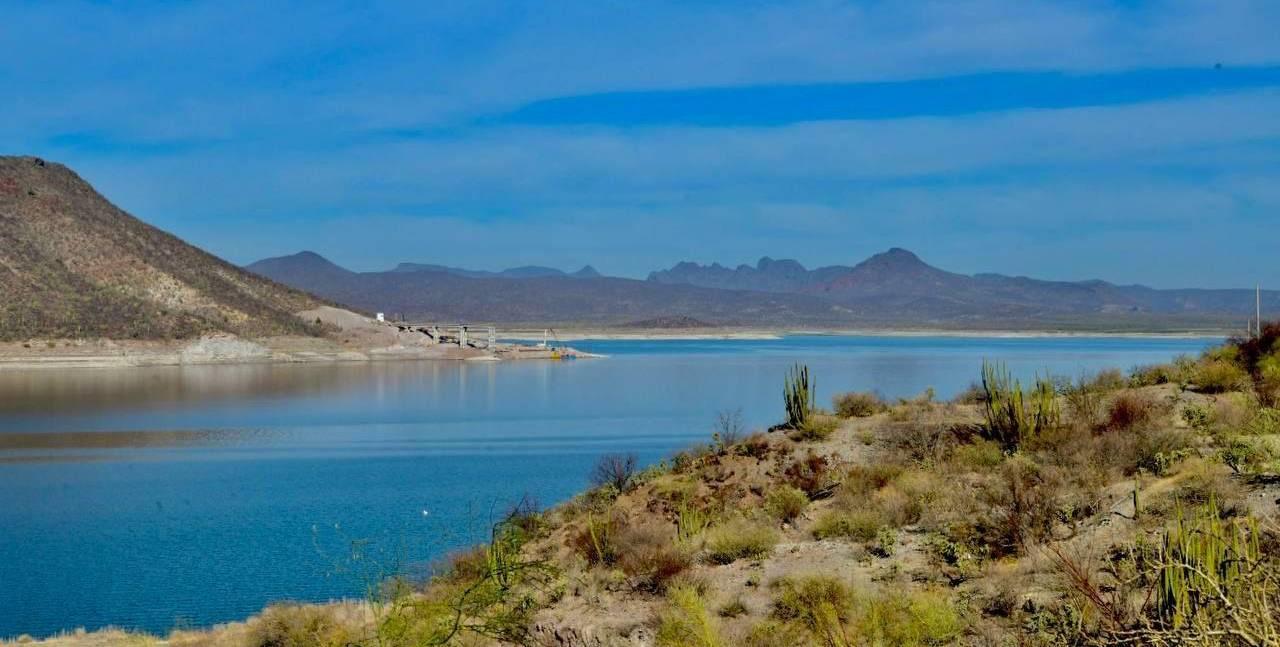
(186, 496)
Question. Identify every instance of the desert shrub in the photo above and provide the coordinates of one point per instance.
(1151, 375)
(786, 503)
(820, 603)
(674, 488)
(858, 525)
(923, 441)
(691, 521)
(739, 538)
(977, 456)
(1267, 379)
(651, 556)
(1085, 398)
(773, 633)
(728, 429)
(858, 404)
(1197, 417)
(972, 394)
(1130, 409)
(300, 625)
(886, 542)
(915, 618)
(614, 470)
(1105, 380)
(1021, 506)
(817, 428)
(898, 506)
(596, 539)
(733, 609)
(685, 622)
(810, 474)
(1219, 375)
(1157, 451)
(863, 480)
(1205, 482)
(1264, 422)
(1247, 455)
(756, 446)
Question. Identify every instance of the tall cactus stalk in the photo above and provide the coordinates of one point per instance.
(1010, 418)
(798, 394)
(1203, 561)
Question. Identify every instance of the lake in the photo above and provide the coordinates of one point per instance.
(186, 496)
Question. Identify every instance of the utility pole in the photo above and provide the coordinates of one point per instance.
(1257, 305)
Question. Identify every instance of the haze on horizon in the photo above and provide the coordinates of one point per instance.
(1135, 142)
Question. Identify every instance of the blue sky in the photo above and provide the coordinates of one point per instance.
(1132, 141)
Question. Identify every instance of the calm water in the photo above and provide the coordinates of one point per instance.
(154, 498)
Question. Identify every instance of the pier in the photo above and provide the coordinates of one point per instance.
(486, 337)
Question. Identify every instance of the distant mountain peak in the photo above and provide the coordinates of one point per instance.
(894, 257)
(587, 272)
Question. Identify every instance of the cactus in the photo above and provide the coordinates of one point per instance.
(1137, 503)
(798, 394)
(1203, 561)
(1010, 419)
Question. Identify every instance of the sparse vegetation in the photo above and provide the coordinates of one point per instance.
(858, 404)
(739, 538)
(786, 503)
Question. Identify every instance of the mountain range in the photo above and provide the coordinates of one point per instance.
(74, 265)
(894, 288)
(898, 280)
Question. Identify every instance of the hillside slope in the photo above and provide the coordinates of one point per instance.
(74, 265)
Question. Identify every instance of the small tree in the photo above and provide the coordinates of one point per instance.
(728, 427)
(614, 469)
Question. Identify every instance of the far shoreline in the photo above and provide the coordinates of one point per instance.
(732, 334)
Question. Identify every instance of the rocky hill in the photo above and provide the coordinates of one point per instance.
(73, 265)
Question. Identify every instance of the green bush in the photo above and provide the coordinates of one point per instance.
(299, 625)
(820, 603)
(858, 404)
(785, 503)
(740, 539)
(816, 428)
(1219, 375)
(907, 619)
(858, 525)
(685, 622)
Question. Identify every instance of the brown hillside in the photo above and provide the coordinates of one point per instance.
(74, 265)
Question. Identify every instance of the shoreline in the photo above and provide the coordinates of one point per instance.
(774, 333)
(224, 350)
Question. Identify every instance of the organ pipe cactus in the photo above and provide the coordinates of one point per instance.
(1013, 416)
(798, 394)
(1205, 562)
